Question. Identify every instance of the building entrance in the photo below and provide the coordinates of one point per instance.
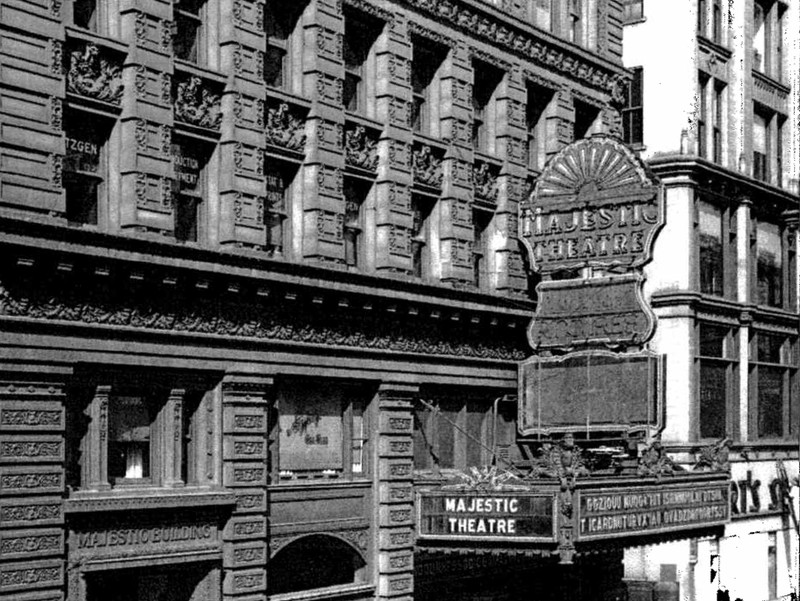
(173, 583)
(497, 577)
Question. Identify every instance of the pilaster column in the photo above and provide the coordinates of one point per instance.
(242, 185)
(245, 418)
(393, 187)
(145, 161)
(455, 207)
(173, 453)
(395, 494)
(506, 264)
(323, 199)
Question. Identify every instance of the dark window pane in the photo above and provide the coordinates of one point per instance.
(423, 443)
(712, 341)
(85, 14)
(446, 434)
(185, 43)
(350, 91)
(186, 219)
(769, 348)
(713, 399)
(81, 198)
(770, 402)
(274, 67)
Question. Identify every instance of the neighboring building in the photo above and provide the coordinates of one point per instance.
(238, 241)
(715, 109)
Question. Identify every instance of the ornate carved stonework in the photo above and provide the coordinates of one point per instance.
(486, 479)
(94, 74)
(715, 457)
(284, 128)
(254, 320)
(519, 42)
(361, 147)
(427, 167)
(655, 462)
(484, 178)
(357, 537)
(196, 104)
(563, 461)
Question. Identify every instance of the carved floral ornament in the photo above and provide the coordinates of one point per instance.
(196, 104)
(92, 73)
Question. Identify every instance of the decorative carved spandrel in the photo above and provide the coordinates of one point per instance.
(655, 462)
(196, 103)
(427, 166)
(484, 178)
(93, 73)
(285, 128)
(361, 147)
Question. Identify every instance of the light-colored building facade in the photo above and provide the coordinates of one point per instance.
(715, 110)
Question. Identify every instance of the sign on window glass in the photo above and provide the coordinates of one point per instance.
(310, 434)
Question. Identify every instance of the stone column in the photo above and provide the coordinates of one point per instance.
(744, 290)
(455, 207)
(245, 416)
(32, 455)
(323, 200)
(509, 272)
(393, 186)
(242, 185)
(145, 161)
(394, 473)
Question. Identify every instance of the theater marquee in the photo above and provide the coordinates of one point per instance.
(491, 516)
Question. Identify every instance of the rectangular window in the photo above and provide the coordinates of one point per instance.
(322, 431)
(760, 36)
(85, 165)
(189, 37)
(128, 434)
(421, 255)
(769, 264)
(486, 80)
(715, 374)
(719, 113)
(536, 114)
(585, 117)
(633, 10)
(702, 115)
(424, 86)
(711, 250)
(190, 158)
(283, 59)
(761, 146)
(355, 195)
(633, 113)
(86, 14)
(702, 16)
(481, 221)
(575, 22)
(459, 434)
(360, 33)
(279, 177)
(716, 21)
(772, 374)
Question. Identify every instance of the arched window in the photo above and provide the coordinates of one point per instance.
(312, 562)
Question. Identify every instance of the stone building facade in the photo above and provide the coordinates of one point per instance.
(240, 243)
(725, 142)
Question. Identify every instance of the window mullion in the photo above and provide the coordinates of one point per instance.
(95, 458)
(168, 466)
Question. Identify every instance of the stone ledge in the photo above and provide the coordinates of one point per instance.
(146, 499)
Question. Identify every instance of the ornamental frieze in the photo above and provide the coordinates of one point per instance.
(196, 104)
(253, 320)
(94, 73)
(523, 43)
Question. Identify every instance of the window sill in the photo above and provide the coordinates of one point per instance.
(322, 483)
(635, 21)
(146, 498)
(344, 591)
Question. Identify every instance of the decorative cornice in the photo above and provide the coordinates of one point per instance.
(524, 43)
(296, 320)
(157, 499)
